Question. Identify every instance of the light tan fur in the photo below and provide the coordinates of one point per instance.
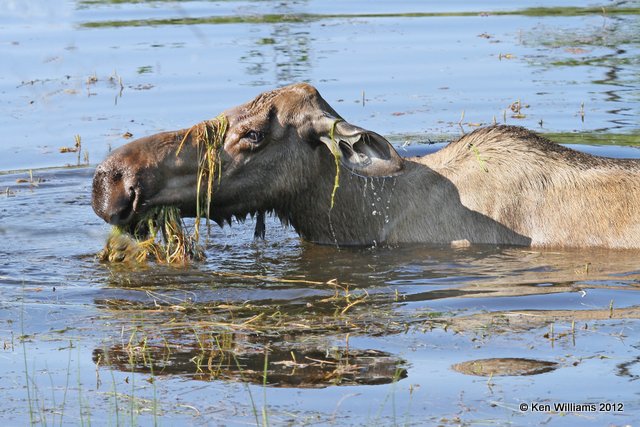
(554, 195)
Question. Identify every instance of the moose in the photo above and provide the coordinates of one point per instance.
(288, 153)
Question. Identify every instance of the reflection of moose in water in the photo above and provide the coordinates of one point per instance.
(282, 346)
(300, 367)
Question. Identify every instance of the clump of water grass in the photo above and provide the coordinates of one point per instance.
(160, 234)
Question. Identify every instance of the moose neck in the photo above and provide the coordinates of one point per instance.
(418, 205)
(365, 210)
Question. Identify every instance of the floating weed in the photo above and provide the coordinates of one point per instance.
(161, 234)
(32, 181)
(340, 310)
(77, 148)
(516, 108)
(343, 298)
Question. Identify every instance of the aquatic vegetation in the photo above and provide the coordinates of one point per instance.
(596, 138)
(337, 156)
(32, 181)
(208, 136)
(274, 18)
(160, 235)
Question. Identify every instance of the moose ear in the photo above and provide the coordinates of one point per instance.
(361, 151)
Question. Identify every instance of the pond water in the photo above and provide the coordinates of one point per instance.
(283, 332)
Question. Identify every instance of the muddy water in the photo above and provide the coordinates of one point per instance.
(281, 331)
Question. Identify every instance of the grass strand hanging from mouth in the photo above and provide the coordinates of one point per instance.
(208, 136)
(337, 155)
(160, 234)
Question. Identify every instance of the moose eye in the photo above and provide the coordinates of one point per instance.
(254, 136)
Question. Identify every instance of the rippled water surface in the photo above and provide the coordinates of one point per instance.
(280, 331)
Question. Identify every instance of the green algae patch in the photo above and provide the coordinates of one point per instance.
(298, 18)
(595, 138)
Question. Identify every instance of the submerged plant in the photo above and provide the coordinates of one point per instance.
(160, 234)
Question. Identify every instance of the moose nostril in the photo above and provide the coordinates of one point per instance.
(122, 215)
(114, 219)
(126, 207)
